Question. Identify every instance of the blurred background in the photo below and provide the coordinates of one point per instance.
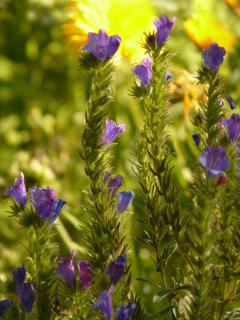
(43, 96)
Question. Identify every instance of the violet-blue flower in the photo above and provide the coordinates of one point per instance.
(213, 56)
(164, 26)
(214, 160)
(113, 183)
(65, 269)
(85, 273)
(233, 126)
(124, 200)
(25, 290)
(45, 203)
(104, 303)
(102, 46)
(19, 275)
(231, 102)
(26, 295)
(116, 268)
(125, 311)
(112, 131)
(4, 305)
(18, 190)
(144, 71)
(196, 139)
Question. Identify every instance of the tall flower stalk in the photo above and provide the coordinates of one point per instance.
(214, 211)
(154, 169)
(104, 236)
(36, 217)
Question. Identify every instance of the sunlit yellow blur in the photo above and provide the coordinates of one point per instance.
(128, 18)
(233, 3)
(184, 88)
(203, 29)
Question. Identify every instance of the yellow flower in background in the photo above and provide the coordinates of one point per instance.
(183, 88)
(128, 18)
(233, 3)
(204, 28)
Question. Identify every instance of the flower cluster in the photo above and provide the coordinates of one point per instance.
(43, 200)
(104, 304)
(66, 271)
(101, 46)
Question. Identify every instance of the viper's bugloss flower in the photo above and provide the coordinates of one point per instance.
(144, 71)
(213, 56)
(112, 131)
(4, 305)
(113, 183)
(102, 46)
(65, 269)
(18, 190)
(124, 200)
(196, 139)
(19, 275)
(104, 303)
(214, 160)
(231, 102)
(163, 26)
(116, 268)
(125, 311)
(26, 295)
(25, 290)
(233, 126)
(45, 203)
(85, 274)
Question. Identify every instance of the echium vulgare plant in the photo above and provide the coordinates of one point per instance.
(212, 231)
(161, 221)
(196, 253)
(31, 289)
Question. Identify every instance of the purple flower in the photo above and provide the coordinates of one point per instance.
(124, 199)
(4, 305)
(231, 102)
(125, 311)
(65, 269)
(213, 56)
(233, 126)
(26, 295)
(104, 303)
(25, 290)
(101, 46)
(85, 274)
(116, 268)
(45, 203)
(196, 139)
(18, 190)
(164, 26)
(112, 131)
(214, 160)
(113, 183)
(144, 71)
(19, 275)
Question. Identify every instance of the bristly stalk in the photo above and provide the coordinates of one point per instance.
(40, 262)
(211, 113)
(154, 169)
(104, 237)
